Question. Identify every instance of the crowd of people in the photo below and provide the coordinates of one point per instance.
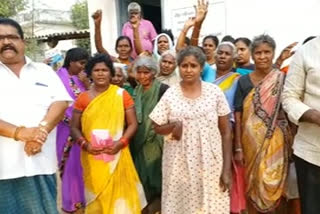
(164, 127)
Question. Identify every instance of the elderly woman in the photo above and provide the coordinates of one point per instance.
(75, 81)
(194, 117)
(110, 179)
(120, 77)
(146, 147)
(226, 79)
(262, 136)
(168, 65)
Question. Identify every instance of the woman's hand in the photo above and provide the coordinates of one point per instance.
(189, 23)
(226, 180)
(92, 150)
(177, 130)
(285, 54)
(114, 149)
(238, 157)
(97, 16)
(201, 11)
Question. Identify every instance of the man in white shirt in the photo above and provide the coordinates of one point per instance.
(33, 101)
(301, 100)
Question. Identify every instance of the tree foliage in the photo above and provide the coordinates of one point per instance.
(79, 17)
(10, 8)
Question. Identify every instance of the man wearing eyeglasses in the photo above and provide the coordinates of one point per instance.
(33, 101)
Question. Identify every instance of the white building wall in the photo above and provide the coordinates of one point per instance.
(109, 28)
(285, 20)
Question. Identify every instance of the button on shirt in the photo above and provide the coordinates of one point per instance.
(25, 101)
(301, 93)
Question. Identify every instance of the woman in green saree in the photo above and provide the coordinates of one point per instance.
(146, 147)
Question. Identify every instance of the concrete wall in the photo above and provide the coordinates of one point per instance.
(286, 20)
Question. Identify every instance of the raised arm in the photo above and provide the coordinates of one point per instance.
(97, 18)
(285, 54)
(136, 37)
(182, 37)
(201, 12)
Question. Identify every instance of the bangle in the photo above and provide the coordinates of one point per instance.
(238, 150)
(16, 132)
(124, 141)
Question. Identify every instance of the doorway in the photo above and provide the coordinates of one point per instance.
(151, 10)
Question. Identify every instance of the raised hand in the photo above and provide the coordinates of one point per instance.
(201, 10)
(189, 23)
(287, 53)
(97, 16)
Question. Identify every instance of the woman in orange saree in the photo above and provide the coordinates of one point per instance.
(263, 136)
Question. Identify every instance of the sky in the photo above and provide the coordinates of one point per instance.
(52, 4)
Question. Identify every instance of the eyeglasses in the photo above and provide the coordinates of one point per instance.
(10, 37)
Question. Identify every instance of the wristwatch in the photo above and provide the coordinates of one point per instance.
(43, 123)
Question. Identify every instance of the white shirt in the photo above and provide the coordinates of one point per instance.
(25, 102)
(301, 93)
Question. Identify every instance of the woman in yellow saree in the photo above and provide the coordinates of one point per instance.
(263, 137)
(111, 186)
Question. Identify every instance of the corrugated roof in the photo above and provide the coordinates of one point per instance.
(78, 34)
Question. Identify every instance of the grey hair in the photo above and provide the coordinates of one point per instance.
(169, 52)
(231, 45)
(192, 51)
(122, 68)
(263, 38)
(134, 6)
(147, 62)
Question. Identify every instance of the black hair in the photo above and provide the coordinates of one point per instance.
(187, 41)
(13, 23)
(120, 38)
(73, 55)
(308, 39)
(245, 40)
(264, 38)
(227, 38)
(195, 51)
(97, 58)
(213, 38)
(169, 33)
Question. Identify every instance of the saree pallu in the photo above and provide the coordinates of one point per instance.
(110, 187)
(266, 138)
(146, 147)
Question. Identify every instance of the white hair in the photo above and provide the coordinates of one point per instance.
(123, 68)
(147, 62)
(134, 6)
(231, 45)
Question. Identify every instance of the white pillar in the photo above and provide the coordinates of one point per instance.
(109, 26)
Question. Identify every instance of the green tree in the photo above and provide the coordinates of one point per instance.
(10, 8)
(79, 17)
